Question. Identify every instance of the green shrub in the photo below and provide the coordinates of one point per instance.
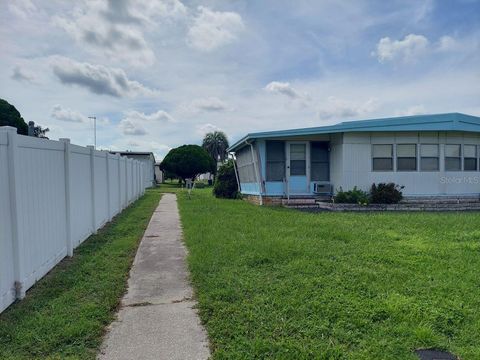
(200, 185)
(384, 193)
(226, 182)
(354, 196)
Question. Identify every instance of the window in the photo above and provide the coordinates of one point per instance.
(453, 158)
(470, 157)
(298, 155)
(382, 156)
(319, 167)
(275, 160)
(429, 157)
(406, 157)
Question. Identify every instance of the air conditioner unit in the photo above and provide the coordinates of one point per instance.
(322, 188)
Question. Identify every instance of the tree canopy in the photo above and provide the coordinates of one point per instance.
(187, 162)
(9, 116)
(216, 144)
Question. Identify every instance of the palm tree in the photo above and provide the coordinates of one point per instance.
(216, 144)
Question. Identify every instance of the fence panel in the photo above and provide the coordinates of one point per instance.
(81, 180)
(129, 180)
(114, 184)
(123, 182)
(101, 214)
(7, 275)
(40, 184)
(53, 195)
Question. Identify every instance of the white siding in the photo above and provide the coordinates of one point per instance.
(356, 163)
(50, 202)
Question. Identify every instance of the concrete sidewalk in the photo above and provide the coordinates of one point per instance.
(157, 319)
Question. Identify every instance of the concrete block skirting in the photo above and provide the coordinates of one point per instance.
(433, 203)
(419, 206)
(267, 200)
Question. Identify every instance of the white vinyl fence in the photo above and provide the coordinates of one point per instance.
(54, 195)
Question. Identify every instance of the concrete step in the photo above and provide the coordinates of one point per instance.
(298, 201)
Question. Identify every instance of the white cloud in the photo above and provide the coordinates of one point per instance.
(339, 109)
(412, 110)
(68, 115)
(135, 122)
(447, 43)
(116, 28)
(211, 104)
(129, 127)
(160, 115)
(20, 74)
(213, 29)
(283, 88)
(203, 129)
(406, 50)
(22, 8)
(98, 79)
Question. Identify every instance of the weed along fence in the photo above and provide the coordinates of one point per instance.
(53, 195)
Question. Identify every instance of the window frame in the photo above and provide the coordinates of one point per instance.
(459, 157)
(391, 157)
(469, 157)
(406, 157)
(327, 162)
(429, 157)
(305, 160)
(267, 161)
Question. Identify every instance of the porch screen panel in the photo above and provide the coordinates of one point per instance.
(245, 165)
(275, 160)
(320, 164)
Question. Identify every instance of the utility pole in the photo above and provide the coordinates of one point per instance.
(94, 118)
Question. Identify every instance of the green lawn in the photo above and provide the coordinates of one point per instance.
(278, 283)
(64, 315)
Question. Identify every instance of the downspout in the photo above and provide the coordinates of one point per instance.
(236, 171)
(257, 171)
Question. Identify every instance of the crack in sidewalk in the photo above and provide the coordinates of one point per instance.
(148, 303)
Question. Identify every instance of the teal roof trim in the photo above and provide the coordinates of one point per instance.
(436, 122)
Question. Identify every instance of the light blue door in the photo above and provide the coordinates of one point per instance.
(297, 153)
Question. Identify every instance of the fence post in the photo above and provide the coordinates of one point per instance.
(68, 195)
(92, 187)
(17, 241)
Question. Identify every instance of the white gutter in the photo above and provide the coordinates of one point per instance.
(257, 171)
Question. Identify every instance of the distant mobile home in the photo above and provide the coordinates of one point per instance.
(145, 157)
(158, 174)
(431, 155)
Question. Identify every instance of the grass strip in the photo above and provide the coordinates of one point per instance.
(65, 314)
(282, 284)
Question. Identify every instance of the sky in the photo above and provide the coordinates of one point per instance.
(158, 74)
